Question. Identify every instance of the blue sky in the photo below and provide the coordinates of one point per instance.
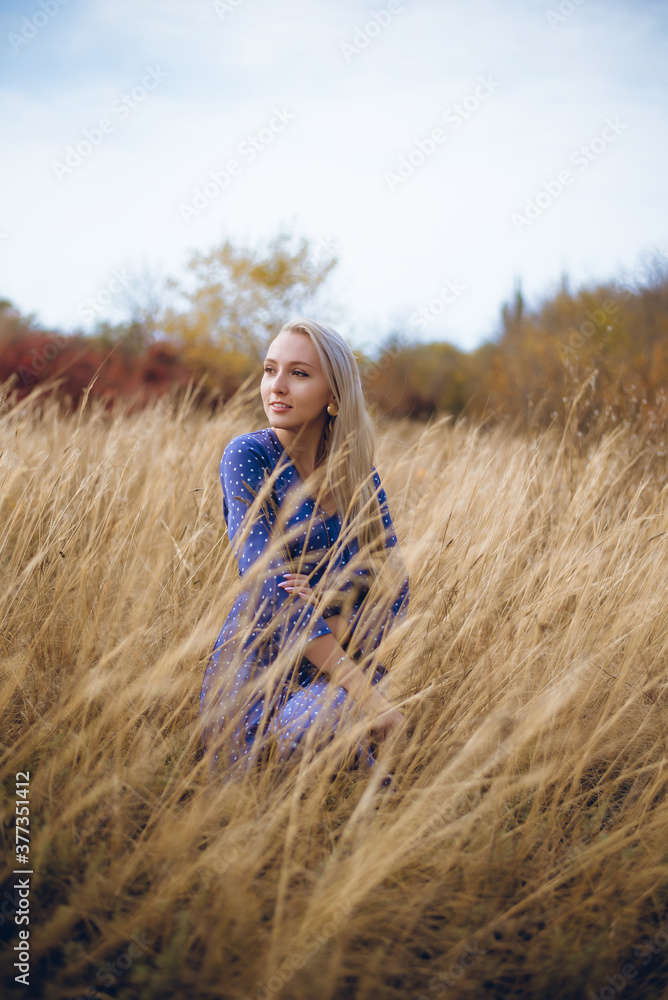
(408, 137)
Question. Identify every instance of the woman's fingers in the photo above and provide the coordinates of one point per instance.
(296, 582)
(389, 724)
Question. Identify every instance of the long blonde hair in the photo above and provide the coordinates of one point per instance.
(349, 440)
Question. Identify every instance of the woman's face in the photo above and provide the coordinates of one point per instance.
(293, 376)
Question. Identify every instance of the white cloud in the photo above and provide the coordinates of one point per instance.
(325, 171)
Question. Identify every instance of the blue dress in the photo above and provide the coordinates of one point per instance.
(265, 617)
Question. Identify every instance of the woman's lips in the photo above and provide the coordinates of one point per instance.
(279, 406)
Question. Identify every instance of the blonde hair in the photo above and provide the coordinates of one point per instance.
(349, 440)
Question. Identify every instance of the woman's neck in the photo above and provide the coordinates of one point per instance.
(307, 457)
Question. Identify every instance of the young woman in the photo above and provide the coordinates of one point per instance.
(322, 576)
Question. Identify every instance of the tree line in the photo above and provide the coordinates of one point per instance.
(593, 357)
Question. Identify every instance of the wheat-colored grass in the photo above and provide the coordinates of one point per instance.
(524, 851)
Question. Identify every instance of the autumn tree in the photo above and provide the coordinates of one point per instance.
(234, 299)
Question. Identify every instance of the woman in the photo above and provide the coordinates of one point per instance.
(311, 530)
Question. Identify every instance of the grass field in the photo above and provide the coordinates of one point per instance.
(525, 851)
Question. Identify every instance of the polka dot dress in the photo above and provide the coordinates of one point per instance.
(266, 618)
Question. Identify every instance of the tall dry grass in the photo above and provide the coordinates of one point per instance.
(524, 851)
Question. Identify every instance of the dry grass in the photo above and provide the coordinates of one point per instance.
(529, 822)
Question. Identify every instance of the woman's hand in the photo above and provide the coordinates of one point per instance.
(297, 582)
(387, 721)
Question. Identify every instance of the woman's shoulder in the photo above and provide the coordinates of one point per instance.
(248, 447)
(250, 439)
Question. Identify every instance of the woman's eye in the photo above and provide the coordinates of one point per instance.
(296, 372)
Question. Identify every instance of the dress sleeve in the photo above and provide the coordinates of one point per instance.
(244, 468)
(357, 578)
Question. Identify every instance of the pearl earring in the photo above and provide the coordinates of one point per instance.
(332, 412)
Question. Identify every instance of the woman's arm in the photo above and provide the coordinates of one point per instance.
(340, 628)
(392, 601)
(326, 654)
(244, 469)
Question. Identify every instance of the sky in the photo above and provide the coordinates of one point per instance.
(442, 151)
